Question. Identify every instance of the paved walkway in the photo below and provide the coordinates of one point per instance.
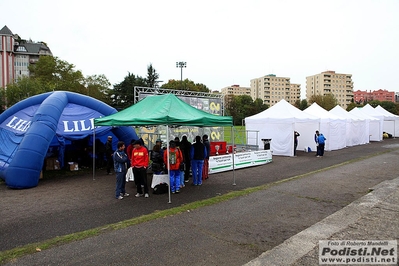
(309, 199)
(375, 216)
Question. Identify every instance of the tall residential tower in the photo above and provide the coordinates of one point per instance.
(271, 89)
(329, 82)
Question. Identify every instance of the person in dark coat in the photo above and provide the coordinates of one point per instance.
(100, 152)
(205, 170)
(197, 156)
(157, 159)
(296, 135)
(109, 153)
(185, 147)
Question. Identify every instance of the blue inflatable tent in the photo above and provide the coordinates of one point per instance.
(28, 128)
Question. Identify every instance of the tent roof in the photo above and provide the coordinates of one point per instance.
(356, 111)
(164, 109)
(283, 111)
(338, 110)
(368, 109)
(319, 111)
(385, 113)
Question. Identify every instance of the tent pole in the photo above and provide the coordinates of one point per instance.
(232, 154)
(94, 152)
(167, 157)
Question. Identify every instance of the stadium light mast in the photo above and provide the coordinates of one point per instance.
(181, 65)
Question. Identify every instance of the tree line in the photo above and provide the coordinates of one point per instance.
(53, 74)
(328, 102)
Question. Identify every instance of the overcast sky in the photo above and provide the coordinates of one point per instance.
(223, 42)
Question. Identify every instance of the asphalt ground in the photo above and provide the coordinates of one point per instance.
(228, 233)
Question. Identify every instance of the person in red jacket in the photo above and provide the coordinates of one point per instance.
(130, 148)
(175, 158)
(139, 162)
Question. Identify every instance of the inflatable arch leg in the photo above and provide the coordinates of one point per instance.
(24, 170)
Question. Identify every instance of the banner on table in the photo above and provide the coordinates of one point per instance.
(224, 163)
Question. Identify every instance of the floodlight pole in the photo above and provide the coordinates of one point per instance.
(181, 65)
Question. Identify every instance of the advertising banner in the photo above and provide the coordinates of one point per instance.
(223, 163)
(75, 120)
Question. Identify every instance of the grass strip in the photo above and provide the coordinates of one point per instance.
(12, 254)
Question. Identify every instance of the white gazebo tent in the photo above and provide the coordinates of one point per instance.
(391, 121)
(357, 128)
(368, 109)
(332, 126)
(278, 123)
(374, 124)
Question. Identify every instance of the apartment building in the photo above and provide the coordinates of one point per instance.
(16, 55)
(329, 82)
(271, 89)
(236, 90)
(362, 97)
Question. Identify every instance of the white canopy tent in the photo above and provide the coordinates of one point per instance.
(357, 128)
(278, 123)
(374, 124)
(332, 126)
(391, 121)
(368, 109)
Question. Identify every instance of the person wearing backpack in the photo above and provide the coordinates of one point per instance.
(321, 141)
(181, 168)
(175, 158)
(198, 154)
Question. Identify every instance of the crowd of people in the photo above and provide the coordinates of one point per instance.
(181, 159)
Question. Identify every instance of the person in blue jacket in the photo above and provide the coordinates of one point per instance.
(321, 141)
(316, 134)
(121, 164)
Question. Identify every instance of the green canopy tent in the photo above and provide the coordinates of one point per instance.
(168, 110)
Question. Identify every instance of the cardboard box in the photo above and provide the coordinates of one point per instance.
(52, 164)
(49, 164)
(57, 165)
(73, 166)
